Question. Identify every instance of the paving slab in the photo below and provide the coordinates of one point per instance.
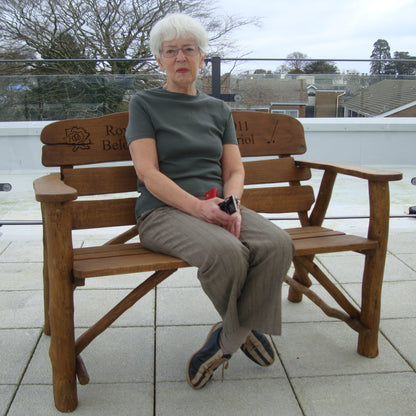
(16, 346)
(119, 355)
(184, 306)
(22, 251)
(91, 305)
(21, 276)
(359, 395)
(402, 334)
(93, 400)
(21, 309)
(349, 268)
(306, 310)
(408, 259)
(6, 396)
(329, 348)
(231, 397)
(397, 298)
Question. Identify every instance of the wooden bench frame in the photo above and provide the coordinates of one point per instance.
(70, 143)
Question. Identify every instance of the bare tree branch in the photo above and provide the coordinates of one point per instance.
(106, 29)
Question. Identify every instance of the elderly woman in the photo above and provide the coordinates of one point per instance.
(183, 144)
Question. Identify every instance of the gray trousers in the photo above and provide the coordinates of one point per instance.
(242, 277)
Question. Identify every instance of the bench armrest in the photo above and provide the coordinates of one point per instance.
(364, 172)
(377, 182)
(51, 188)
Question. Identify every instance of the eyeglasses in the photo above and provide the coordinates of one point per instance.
(190, 50)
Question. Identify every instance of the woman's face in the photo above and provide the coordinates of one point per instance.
(182, 69)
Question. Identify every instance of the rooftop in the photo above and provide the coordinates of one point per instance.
(383, 97)
(137, 367)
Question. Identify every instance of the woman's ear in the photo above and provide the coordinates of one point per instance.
(159, 62)
(201, 64)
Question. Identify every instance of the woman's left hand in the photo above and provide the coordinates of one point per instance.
(233, 225)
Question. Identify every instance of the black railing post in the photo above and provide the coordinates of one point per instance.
(216, 81)
(216, 77)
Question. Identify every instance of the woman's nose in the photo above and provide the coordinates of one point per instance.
(180, 56)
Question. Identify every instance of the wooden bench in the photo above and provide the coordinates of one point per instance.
(277, 187)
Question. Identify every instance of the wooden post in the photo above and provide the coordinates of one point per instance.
(46, 325)
(61, 306)
(374, 268)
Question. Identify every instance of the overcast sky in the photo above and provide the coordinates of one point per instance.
(345, 29)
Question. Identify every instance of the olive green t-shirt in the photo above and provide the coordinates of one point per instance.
(189, 132)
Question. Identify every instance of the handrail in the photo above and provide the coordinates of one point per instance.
(48, 60)
(349, 217)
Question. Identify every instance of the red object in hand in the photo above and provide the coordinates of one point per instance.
(212, 193)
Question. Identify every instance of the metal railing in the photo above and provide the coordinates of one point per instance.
(48, 97)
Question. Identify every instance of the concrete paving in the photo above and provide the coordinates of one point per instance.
(137, 366)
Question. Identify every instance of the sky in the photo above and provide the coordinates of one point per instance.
(323, 29)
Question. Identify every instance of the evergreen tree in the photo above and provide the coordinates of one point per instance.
(380, 55)
(404, 68)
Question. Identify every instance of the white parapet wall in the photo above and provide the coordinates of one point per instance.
(20, 145)
(364, 141)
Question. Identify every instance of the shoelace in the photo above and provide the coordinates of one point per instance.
(209, 369)
(224, 367)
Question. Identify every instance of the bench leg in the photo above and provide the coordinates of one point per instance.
(294, 295)
(46, 325)
(61, 310)
(371, 305)
(374, 269)
(301, 276)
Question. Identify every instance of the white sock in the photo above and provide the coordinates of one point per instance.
(231, 343)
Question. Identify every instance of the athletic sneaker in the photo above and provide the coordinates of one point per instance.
(258, 349)
(205, 361)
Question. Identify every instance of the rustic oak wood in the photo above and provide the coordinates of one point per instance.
(88, 197)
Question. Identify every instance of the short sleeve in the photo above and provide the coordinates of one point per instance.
(140, 124)
(229, 136)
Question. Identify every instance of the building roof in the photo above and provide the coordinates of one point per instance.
(256, 92)
(387, 96)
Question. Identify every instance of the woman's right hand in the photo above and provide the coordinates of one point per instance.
(212, 213)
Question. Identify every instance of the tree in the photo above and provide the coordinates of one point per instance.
(320, 67)
(104, 29)
(295, 63)
(380, 55)
(404, 68)
(64, 47)
(19, 56)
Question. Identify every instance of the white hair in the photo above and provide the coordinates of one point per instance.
(177, 26)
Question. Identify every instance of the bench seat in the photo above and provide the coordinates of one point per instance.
(115, 259)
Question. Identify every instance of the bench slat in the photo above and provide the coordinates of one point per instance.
(277, 200)
(121, 259)
(311, 232)
(316, 240)
(99, 181)
(134, 258)
(85, 141)
(99, 213)
(261, 134)
(274, 171)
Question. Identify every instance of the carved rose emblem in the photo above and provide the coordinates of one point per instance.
(78, 137)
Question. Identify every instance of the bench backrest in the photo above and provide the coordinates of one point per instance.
(93, 157)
